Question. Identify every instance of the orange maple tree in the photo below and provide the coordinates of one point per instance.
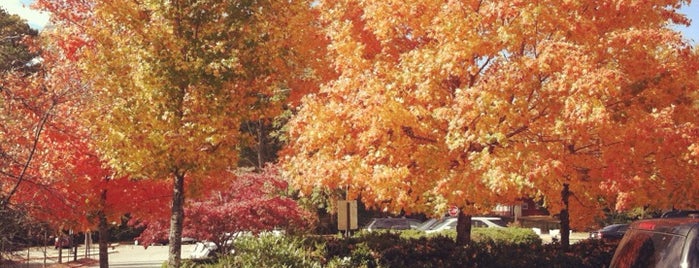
(475, 103)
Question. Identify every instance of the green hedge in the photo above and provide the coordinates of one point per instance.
(510, 236)
(511, 247)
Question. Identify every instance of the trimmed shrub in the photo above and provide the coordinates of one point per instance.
(489, 248)
(508, 236)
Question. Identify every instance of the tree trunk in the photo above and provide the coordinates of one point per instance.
(260, 144)
(176, 222)
(103, 229)
(565, 219)
(75, 248)
(463, 229)
(60, 250)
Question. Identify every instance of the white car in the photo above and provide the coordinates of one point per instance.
(392, 224)
(449, 223)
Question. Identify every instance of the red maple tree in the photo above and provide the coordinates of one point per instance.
(252, 202)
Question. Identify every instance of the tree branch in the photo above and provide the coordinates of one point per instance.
(20, 178)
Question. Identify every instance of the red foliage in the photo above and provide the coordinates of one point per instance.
(251, 202)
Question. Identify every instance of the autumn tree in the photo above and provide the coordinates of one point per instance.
(20, 100)
(31, 99)
(474, 103)
(174, 80)
(51, 170)
(237, 203)
(25, 108)
(77, 191)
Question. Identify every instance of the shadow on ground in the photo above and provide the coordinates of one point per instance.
(73, 264)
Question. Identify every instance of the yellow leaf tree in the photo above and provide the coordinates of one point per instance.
(173, 80)
(474, 103)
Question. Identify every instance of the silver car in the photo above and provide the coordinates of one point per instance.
(449, 223)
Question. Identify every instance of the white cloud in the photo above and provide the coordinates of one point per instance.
(35, 19)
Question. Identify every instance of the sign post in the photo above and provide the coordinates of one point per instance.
(347, 216)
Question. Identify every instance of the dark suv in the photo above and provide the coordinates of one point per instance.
(665, 242)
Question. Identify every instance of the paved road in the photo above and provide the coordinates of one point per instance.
(120, 256)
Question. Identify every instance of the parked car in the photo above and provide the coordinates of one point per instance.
(664, 242)
(610, 233)
(449, 223)
(429, 224)
(392, 224)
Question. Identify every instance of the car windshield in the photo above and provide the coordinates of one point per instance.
(439, 223)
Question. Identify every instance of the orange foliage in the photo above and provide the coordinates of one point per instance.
(476, 103)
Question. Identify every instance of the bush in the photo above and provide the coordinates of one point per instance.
(361, 256)
(489, 248)
(509, 236)
(418, 252)
(274, 251)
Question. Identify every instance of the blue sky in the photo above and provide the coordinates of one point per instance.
(691, 32)
(37, 20)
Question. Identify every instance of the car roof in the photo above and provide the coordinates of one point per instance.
(677, 226)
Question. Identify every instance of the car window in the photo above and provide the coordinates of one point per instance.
(646, 249)
(393, 223)
(623, 228)
(671, 249)
(478, 223)
(499, 222)
(401, 226)
(438, 224)
(382, 224)
(610, 227)
(428, 225)
(693, 257)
